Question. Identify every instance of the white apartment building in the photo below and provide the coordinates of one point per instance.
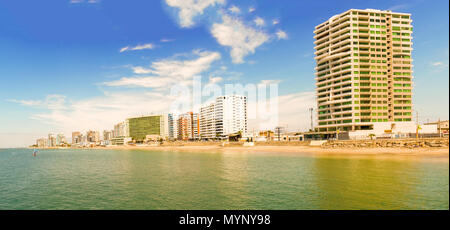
(121, 129)
(225, 116)
(42, 142)
(166, 126)
(51, 141)
(60, 139)
(174, 127)
(364, 70)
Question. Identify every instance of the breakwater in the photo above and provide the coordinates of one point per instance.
(386, 143)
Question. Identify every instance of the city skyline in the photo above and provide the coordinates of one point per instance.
(74, 79)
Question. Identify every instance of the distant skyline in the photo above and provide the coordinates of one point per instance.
(75, 65)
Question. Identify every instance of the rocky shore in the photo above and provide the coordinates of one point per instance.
(390, 143)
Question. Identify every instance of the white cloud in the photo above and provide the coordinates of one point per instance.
(259, 21)
(147, 81)
(214, 80)
(251, 9)
(140, 70)
(242, 39)
(138, 47)
(102, 112)
(275, 21)
(167, 40)
(292, 112)
(437, 63)
(53, 101)
(281, 35)
(439, 66)
(169, 71)
(234, 9)
(188, 9)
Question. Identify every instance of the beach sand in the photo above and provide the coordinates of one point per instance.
(422, 152)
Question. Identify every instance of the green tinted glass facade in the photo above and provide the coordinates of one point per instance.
(142, 126)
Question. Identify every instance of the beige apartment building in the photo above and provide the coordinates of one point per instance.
(364, 70)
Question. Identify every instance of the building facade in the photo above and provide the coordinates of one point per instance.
(226, 115)
(442, 126)
(60, 139)
(51, 141)
(188, 125)
(77, 138)
(92, 136)
(364, 70)
(41, 143)
(107, 135)
(140, 127)
(166, 126)
(122, 129)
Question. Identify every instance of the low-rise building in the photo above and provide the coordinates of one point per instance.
(120, 140)
(442, 126)
(392, 130)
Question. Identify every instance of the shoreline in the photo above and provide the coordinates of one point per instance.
(316, 150)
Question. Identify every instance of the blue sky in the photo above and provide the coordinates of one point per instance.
(62, 68)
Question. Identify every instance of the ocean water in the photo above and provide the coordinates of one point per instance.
(134, 179)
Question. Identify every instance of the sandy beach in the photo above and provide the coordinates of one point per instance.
(435, 152)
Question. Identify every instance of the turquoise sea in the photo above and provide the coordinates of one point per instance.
(134, 179)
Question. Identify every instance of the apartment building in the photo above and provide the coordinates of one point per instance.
(77, 137)
(42, 142)
(226, 115)
(60, 139)
(107, 135)
(51, 141)
(92, 136)
(364, 70)
(188, 125)
(122, 129)
(160, 125)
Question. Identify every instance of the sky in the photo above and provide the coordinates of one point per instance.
(76, 65)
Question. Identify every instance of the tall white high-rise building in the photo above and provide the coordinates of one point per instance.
(166, 126)
(51, 140)
(60, 139)
(364, 70)
(226, 115)
(122, 129)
